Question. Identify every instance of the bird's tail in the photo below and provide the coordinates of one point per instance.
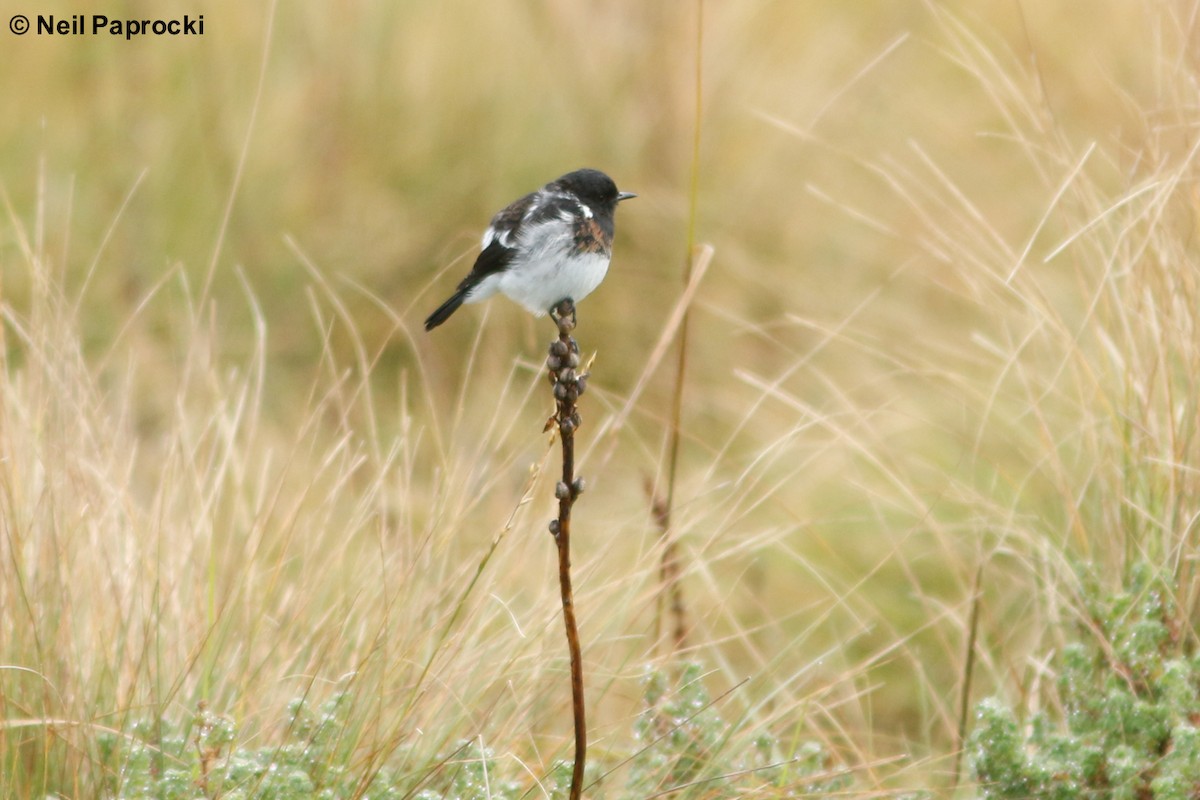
(446, 309)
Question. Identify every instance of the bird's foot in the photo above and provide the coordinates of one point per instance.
(563, 314)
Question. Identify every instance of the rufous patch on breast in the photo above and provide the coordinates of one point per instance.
(589, 237)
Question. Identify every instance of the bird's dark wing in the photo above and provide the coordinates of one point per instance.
(502, 242)
(499, 242)
(492, 259)
(505, 226)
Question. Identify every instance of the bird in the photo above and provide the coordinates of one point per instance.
(551, 245)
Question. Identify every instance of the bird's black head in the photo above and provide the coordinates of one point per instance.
(592, 187)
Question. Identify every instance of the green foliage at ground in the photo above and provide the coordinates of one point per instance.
(1126, 724)
(684, 748)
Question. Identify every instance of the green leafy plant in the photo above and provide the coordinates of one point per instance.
(689, 750)
(472, 771)
(1129, 692)
(685, 749)
(203, 759)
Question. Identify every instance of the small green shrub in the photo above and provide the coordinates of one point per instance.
(203, 760)
(1129, 690)
(473, 772)
(682, 745)
(684, 742)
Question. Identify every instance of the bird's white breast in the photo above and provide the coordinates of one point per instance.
(547, 269)
(541, 282)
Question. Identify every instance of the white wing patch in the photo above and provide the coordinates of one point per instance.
(504, 238)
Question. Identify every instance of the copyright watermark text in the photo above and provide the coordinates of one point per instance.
(101, 25)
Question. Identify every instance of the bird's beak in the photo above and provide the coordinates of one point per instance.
(625, 196)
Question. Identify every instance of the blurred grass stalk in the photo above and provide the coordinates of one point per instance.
(670, 601)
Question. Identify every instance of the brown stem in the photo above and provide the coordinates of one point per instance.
(670, 595)
(968, 673)
(568, 383)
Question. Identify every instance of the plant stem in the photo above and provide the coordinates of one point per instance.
(968, 672)
(568, 384)
(669, 567)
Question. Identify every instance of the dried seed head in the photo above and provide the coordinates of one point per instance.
(560, 391)
(558, 347)
(579, 486)
(573, 359)
(554, 527)
(581, 383)
(568, 426)
(561, 491)
(567, 375)
(575, 420)
(553, 362)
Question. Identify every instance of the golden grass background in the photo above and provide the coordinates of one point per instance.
(949, 330)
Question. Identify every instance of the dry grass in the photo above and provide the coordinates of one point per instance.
(950, 329)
